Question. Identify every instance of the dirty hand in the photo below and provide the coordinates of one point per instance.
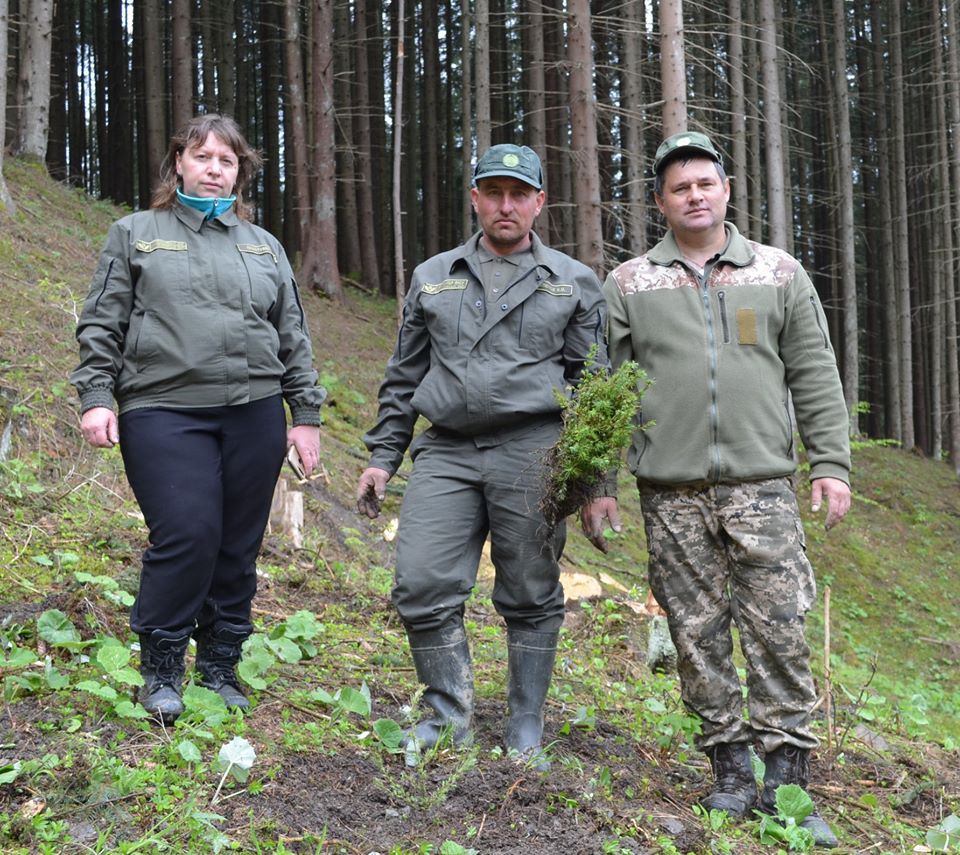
(371, 490)
(837, 494)
(592, 515)
(99, 427)
(306, 439)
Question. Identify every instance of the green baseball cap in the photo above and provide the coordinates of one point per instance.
(511, 161)
(692, 142)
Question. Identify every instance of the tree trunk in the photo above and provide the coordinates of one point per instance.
(319, 269)
(466, 124)
(952, 294)
(673, 69)
(770, 77)
(397, 148)
(181, 54)
(738, 119)
(153, 77)
(635, 204)
(481, 69)
(34, 114)
(63, 32)
(845, 172)
(537, 100)
(120, 126)
(364, 165)
(6, 200)
(226, 59)
(583, 120)
(885, 238)
(296, 128)
(901, 234)
(430, 138)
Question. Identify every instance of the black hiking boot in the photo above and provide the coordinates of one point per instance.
(161, 666)
(734, 787)
(219, 647)
(530, 658)
(442, 660)
(791, 765)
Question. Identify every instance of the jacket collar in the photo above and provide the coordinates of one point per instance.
(737, 251)
(194, 219)
(464, 253)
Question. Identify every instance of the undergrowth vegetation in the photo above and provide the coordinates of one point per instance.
(317, 766)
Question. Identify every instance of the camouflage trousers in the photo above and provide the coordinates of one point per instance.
(736, 553)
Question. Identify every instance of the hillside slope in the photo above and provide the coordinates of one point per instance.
(80, 772)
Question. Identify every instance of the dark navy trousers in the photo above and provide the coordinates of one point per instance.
(204, 480)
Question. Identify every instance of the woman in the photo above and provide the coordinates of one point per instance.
(194, 326)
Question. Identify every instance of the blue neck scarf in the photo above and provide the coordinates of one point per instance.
(210, 206)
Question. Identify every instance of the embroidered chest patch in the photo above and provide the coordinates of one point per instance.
(257, 249)
(556, 289)
(160, 243)
(446, 285)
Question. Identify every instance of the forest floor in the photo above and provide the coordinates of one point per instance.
(312, 767)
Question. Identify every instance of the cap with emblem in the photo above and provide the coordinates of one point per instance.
(688, 142)
(510, 161)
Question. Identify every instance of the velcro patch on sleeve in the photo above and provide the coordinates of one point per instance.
(446, 285)
(556, 289)
(746, 326)
(258, 249)
(160, 243)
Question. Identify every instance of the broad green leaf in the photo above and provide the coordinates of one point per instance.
(353, 701)
(303, 625)
(128, 676)
(112, 655)
(285, 649)
(101, 690)
(67, 558)
(9, 772)
(188, 751)
(42, 560)
(18, 657)
(238, 757)
(128, 709)
(56, 680)
(323, 696)
(793, 802)
(390, 734)
(55, 628)
(250, 674)
(204, 703)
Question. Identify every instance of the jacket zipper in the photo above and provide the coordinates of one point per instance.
(722, 298)
(106, 279)
(816, 316)
(714, 414)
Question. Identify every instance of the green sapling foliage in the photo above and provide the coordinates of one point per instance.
(599, 418)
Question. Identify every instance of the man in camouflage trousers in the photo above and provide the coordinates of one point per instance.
(729, 329)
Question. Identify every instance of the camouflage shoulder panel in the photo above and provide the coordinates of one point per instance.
(640, 274)
(771, 266)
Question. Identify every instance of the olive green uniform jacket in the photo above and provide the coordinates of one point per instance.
(483, 368)
(725, 351)
(184, 313)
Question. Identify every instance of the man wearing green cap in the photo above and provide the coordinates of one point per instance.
(729, 329)
(490, 331)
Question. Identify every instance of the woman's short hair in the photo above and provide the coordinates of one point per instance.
(194, 133)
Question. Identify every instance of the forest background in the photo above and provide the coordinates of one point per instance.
(839, 122)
